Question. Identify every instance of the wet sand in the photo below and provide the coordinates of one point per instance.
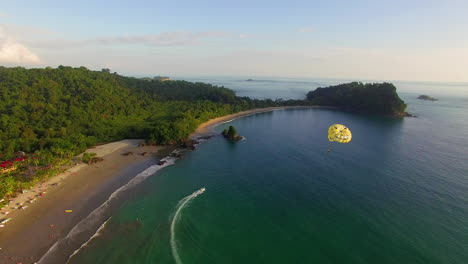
(32, 231)
(83, 188)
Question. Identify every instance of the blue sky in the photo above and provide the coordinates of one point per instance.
(380, 40)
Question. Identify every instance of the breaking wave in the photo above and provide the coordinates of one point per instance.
(85, 229)
(98, 232)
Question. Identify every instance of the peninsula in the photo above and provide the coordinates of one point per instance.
(375, 98)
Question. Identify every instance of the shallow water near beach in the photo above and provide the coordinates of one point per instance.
(397, 193)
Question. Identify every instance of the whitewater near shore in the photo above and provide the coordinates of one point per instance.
(82, 189)
(33, 230)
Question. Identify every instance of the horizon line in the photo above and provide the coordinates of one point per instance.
(141, 75)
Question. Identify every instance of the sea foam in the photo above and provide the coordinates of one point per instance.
(98, 232)
(97, 217)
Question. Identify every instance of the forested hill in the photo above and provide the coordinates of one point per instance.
(53, 114)
(68, 109)
(377, 98)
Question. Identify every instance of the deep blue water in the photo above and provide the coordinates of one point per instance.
(397, 193)
(288, 88)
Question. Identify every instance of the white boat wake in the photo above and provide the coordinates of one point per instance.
(180, 205)
(96, 217)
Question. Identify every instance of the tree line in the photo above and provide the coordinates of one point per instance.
(55, 113)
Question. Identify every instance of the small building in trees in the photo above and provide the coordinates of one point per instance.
(7, 166)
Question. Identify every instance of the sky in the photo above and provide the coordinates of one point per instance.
(415, 40)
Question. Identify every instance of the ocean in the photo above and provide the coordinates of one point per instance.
(397, 193)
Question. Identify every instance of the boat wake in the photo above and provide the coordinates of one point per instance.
(180, 206)
(84, 229)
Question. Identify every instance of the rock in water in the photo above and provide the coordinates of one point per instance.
(231, 134)
(427, 97)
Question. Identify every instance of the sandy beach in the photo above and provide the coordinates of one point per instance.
(82, 188)
(205, 128)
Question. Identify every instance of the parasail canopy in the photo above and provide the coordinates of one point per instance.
(339, 133)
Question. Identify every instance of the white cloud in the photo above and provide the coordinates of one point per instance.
(179, 38)
(306, 29)
(169, 39)
(14, 52)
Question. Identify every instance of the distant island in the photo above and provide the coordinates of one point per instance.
(427, 97)
(249, 80)
(376, 98)
(156, 78)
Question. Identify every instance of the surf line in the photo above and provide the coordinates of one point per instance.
(98, 233)
(180, 205)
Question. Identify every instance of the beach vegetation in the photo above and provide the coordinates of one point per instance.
(87, 157)
(53, 114)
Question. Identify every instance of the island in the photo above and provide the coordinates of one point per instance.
(427, 98)
(231, 134)
(375, 98)
(249, 80)
(156, 78)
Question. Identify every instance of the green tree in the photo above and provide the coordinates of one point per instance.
(379, 98)
(87, 157)
(54, 114)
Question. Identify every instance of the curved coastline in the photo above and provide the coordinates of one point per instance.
(56, 251)
(45, 228)
(81, 189)
(205, 128)
(202, 162)
(90, 226)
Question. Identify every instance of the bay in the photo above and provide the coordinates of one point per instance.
(397, 193)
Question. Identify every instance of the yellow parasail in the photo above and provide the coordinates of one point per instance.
(339, 133)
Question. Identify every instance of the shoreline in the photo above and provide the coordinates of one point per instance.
(205, 128)
(82, 188)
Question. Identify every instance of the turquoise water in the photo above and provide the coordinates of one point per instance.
(398, 193)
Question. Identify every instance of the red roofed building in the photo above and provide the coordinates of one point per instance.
(7, 166)
(19, 159)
